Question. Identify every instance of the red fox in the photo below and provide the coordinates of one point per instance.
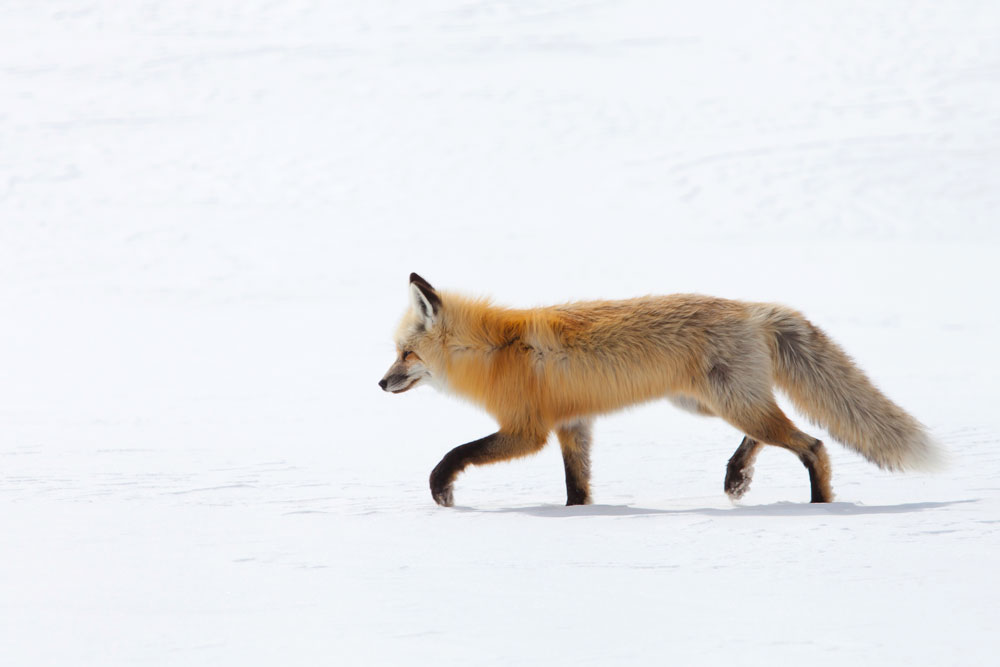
(559, 367)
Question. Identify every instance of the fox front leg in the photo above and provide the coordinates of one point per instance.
(575, 439)
(499, 446)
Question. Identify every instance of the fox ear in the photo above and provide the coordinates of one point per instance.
(425, 300)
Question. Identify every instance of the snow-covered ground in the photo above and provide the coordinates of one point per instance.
(208, 213)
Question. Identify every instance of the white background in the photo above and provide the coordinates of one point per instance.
(208, 213)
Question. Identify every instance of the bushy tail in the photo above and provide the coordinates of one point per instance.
(823, 383)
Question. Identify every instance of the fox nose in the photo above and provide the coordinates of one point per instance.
(382, 383)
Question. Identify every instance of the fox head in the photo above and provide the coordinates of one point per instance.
(415, 340)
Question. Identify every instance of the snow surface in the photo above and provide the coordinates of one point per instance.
(208, 211)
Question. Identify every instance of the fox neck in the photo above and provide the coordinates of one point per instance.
(481, 345)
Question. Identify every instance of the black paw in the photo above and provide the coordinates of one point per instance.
(441, 485)
(443, 497)
(738, 481)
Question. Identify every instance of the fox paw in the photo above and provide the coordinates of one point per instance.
(443, 497)
(441, 484)
(738, 482)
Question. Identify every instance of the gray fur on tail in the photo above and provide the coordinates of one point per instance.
(826, 385)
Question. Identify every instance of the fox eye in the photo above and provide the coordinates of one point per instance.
(406, 353)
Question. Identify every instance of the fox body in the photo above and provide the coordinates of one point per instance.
(557, 368)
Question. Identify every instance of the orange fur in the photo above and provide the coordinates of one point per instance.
(541, 367)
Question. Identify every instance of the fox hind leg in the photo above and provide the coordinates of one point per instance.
(574, 440)
(739, 471)
(817, 463)
(768, 424)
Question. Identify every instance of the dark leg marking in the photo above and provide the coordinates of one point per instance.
(444, 473)
(768, 424)
(739, 471)
(815, 461)
(574, 440)
(577, 492)
(497, 447)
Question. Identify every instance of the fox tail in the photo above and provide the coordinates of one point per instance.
(825, 384)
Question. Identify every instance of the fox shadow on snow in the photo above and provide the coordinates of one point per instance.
(775, 509)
